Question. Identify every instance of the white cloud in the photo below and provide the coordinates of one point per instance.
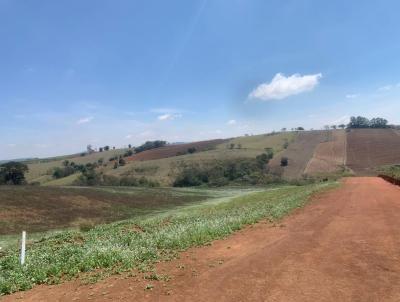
(352, 96)
(168, 117)
(231, 122)
(281, 86)
(385, 88)
(129, 136)
(11, 145)
(84, 120)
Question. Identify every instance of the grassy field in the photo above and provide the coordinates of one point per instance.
(141, 241)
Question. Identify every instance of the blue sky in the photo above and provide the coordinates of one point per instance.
(120, 72)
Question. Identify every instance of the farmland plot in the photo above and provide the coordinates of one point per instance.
(371, 148)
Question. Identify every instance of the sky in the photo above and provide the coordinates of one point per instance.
(120, 72)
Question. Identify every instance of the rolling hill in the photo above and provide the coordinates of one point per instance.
(312, 153)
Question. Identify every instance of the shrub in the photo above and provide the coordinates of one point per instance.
(284, 161)
(13, 173)
(150, 145)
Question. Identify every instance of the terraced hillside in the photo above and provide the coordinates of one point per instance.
(329, 156)
(299, 153)
(371, 148)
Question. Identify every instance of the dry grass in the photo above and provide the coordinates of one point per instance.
(39, 170)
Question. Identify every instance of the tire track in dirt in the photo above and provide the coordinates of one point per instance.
(343, 246)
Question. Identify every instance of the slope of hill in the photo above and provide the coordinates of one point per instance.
(175, 150)
(299, 153)
(368, 149)
(164, 170)
(40, 168)
(329, 156)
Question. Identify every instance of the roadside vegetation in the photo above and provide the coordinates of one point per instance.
(392, 171)
(140, 242)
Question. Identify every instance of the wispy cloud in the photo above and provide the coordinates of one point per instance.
(168, 117)
(231, 122)
(84, 120)
(385, 88)
(352, 96)
(281, 86)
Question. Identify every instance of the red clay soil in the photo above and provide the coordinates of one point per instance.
(371, 148)
(343, 246)
(174, 150)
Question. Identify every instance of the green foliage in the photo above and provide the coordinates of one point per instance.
(363, 122)
(219, 173)
(13, 173)
(143, 241)
(150, 145)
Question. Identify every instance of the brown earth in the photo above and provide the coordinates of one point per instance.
(299, 153)
(174, 150)
(328, 156)
(370, 148)
(344, 246)
(38, 209)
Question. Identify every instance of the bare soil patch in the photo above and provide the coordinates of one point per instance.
(344, 246)
(368, 149)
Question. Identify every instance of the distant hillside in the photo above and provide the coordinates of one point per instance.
(312, 153)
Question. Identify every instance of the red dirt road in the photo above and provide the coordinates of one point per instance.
(343, 246)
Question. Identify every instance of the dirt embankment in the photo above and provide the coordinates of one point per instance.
(328, 156)
(344, 246)
(371, 148)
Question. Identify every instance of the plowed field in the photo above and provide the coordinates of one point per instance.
(371, 148)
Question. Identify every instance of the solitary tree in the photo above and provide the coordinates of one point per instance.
(284, 161)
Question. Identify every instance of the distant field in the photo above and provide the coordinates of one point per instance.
(175, 150)
(262, 141)
(371, 148)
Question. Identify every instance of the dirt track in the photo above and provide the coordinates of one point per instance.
(344, 246)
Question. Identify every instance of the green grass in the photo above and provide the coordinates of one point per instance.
(140, 242)
(390, 170)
